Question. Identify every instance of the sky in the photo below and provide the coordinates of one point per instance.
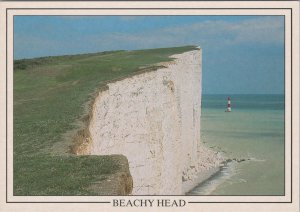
(241, 54)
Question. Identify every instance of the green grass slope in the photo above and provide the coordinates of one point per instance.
(50, 95)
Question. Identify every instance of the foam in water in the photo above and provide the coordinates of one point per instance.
(208, 186)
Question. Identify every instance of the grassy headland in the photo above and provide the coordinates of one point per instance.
(50, 98)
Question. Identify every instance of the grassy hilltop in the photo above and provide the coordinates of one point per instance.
(50, 98)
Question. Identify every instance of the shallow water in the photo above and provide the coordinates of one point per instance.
(253, 131)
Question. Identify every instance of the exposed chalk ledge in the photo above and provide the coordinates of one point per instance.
(118, 183)
(153, 118)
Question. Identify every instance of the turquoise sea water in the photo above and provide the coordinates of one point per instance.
(253, 131)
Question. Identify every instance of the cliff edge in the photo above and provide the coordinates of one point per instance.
(55, 110)
(153, 118)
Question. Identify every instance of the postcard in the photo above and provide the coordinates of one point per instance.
(129, 106)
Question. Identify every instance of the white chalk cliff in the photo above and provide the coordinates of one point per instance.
(153, 118)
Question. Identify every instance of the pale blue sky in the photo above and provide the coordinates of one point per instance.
(241, 54)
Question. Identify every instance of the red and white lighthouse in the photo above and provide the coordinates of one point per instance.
(228, 105)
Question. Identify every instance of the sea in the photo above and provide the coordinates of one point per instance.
(251, 138)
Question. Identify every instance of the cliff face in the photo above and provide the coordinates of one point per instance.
(153, 119)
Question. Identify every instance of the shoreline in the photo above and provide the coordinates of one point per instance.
(202, 177)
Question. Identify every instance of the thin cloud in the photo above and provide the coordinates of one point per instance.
(212, 34)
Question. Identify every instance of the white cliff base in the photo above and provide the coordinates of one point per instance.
(153, 118)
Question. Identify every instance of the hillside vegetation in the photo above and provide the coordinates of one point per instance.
(51, 95)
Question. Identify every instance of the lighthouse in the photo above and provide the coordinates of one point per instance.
(228, 105)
